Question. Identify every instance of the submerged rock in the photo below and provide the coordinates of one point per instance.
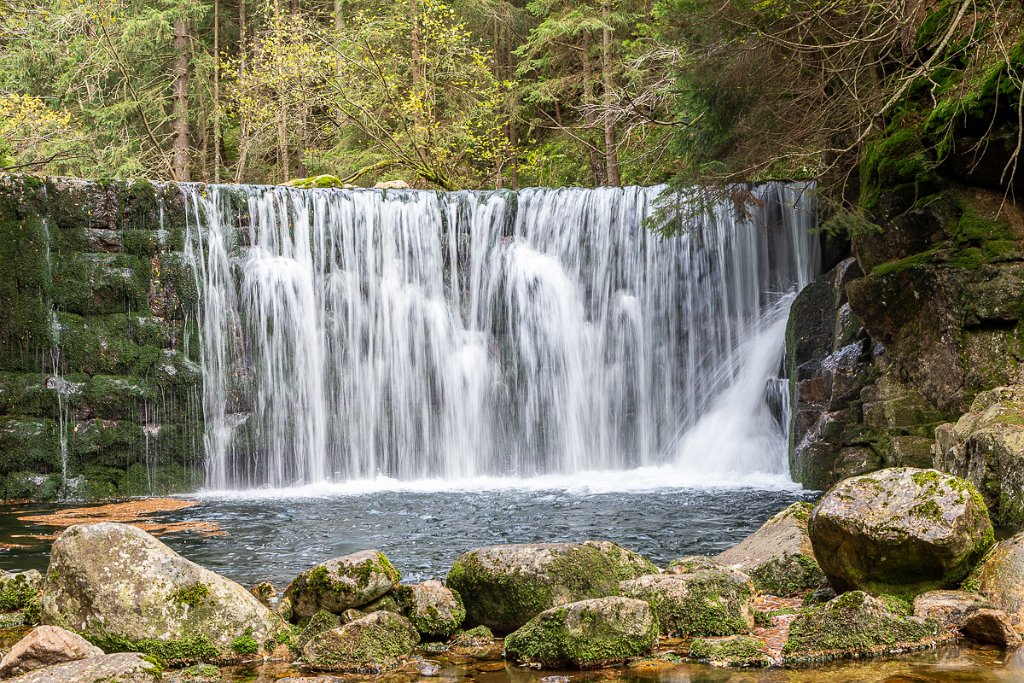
(435, 610)
(342, 583)
(123, 667)
(732, 651)
(504, 586)
(854, 625)
(375, 643)
(586, 634)
(986, 447)
(900, 531)
(779, 557)
(45, 646)
(709, 601)
(126, 591)
(1000, 579)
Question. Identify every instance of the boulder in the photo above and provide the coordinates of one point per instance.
(44, 646)
(317, 624)
(986, 447)
(949, 608)
(708, 601)
(778, 557)
(435, 610)
(854, 625)
(471, 641)
(988, 625)
(376, 643)
(123, 667)
(504, 586)
(126, 591)
(732, 651)
(265, 592)
(586, 634)
(900, 531)
(342, 583)
(1000, 579)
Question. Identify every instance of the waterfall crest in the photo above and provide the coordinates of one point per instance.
(351, 334)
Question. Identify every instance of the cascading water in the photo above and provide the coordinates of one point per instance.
(411, 334)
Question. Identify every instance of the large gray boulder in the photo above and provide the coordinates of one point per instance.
(852, 625)
(123, 667)
(900, 531)
(126, 591)
(586, 634)
(504, 586)
(986, 447)
(342, 583)
(707, 600)
(376, 643)
(45, 646)
(779, 557)
(1000, 579)
(435, 610)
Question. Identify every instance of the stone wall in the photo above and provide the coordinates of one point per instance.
(100, 390)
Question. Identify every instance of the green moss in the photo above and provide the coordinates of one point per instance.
(193, 595)
(17, 593)
(245, 644)
(736, 651)
(168, 652)
(200, 673)
(762, 619)
(788, 575)
(712, 603)
(898, 167)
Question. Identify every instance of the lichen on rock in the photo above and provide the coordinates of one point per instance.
(342, 583)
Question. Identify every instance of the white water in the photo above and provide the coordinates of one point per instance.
(386, 338)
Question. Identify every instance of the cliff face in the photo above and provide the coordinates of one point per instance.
(100, 391)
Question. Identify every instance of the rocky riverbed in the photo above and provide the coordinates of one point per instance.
(901, 560)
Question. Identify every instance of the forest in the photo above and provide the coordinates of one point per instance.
(492, 93)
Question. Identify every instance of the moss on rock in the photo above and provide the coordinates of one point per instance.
(376, 643)
(733, 651)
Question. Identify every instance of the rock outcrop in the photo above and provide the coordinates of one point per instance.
(704, 601)
(505, 586)
(376, 643)
(900, 531)
(586, 634)
(126, 591)
(779, 557)
(342, 583)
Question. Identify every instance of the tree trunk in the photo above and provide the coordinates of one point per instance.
(611, 147)
(180, 145)
(597, 165)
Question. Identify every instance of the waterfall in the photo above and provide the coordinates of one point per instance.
(352, 334)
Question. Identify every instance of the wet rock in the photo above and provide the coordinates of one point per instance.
(123, 667)
(818, 597)
(1000, 579)
(709, 601)
(125, 590)
(505, 586)
(430, 669)
(376, 643)
(342, 583)
(471, 640)
(948, 608)
(778, 557)
(265, 592)
(44, 646)
(435, 610)
(732, 651)
(586, 634)
(986, 447)
(900, 531)
(854, 625)
(317, 624)
(987, 625)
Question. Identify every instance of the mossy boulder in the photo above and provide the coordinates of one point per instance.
(435, 611)
(342, 583)
(779, 557)
(376, 643)
(986, 447)
(854, 624)
(586, 634)
(707, 601)
(317, 624)
(126, 591)
(732, 651)
(900, 531)
(505, 586)
(1000, 579)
